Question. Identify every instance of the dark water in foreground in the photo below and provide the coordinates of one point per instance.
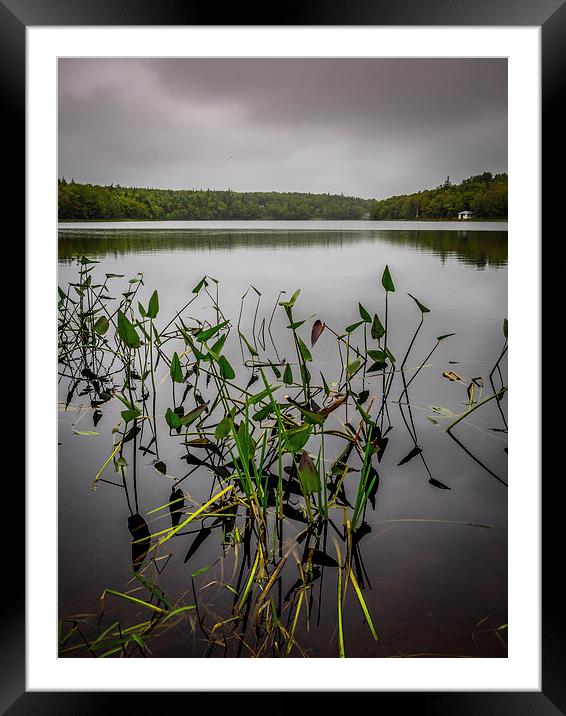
(434, 562)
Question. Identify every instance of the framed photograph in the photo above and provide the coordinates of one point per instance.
(270, 272)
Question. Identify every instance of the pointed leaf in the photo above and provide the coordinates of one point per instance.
(226, 370)
(291, 302)
(127, 332)
(317, 329)
(153, 307)
(205, 335)
(175, 371)
(364, 314)
(422, 309)
(353, 366)
(304, 350)
(101, 325)
(377, 329)
(288, 375)
(297, 438)
(352, 327)
(251, 349)
(172, 419)
(387, 281)
(193, 414)
(379, 356)
(308, 474)
(223, 428)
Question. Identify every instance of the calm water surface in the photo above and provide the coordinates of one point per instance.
(435, 561)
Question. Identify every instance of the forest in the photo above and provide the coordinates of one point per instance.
(114, 202)
(484, 194)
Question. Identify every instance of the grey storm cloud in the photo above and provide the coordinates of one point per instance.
(364, 127)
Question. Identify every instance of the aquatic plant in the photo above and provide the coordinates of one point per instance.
(289, 455)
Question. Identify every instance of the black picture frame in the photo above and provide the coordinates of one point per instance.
(550, 15)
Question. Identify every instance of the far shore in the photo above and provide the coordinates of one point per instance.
(420, 221)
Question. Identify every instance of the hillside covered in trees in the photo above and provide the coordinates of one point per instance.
(91, 202)
(484, 194)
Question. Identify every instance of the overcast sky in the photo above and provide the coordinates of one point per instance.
(363, 127)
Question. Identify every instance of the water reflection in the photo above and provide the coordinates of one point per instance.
(476, 248)
(262, 565)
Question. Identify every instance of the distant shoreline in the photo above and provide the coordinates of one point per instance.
(259, 227)
(419, 221)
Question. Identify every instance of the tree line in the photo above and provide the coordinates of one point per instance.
(92, 202)
(484, 194)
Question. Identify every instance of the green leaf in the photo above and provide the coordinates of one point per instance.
(423, 309)
(153, 307)
(263, 413)
(200, 284)
(189, 341)
(193, 414)
(352, 327)
(175, 371)
(308, 474)
(377, 329)
(172, 419)
(365, 416)
(353, 366)
(127, 332)
(139, 641)
(258, 397)
(101, 325)
(390, 355)
(128, 415)
(125, 401)
(447, 335)
(304, 350)
(297, 324)
(226, 370)
(291, 302)
(204, 336)
(251, 349)
(223, 428)
(364, 314)
(505, 328)
(387, 281)
(288, 375)
(378, 356)
(297, 438)
(216, 349)
(309, 415)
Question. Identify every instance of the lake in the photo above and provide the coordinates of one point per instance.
(430, 562)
